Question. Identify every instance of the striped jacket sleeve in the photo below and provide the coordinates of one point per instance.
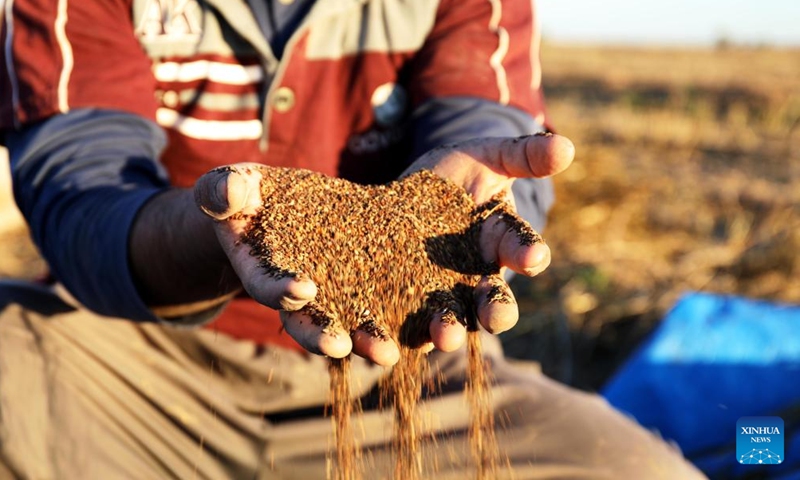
(58, 55)
(487, 49)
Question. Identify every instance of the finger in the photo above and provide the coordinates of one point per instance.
(498, 159)
(317, 333)
(511, 242)
(229, 190)
(526, 258)
(372, 342)
(447, 327)
(539, 155)
(497, 308)
(448, 332)
(279, 290)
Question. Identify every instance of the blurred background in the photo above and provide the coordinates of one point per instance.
(686, 119)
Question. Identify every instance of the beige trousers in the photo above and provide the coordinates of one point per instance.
(86, 397)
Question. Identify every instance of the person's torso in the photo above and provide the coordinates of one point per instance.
(336, 102)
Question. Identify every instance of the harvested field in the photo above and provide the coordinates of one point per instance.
(687, 177)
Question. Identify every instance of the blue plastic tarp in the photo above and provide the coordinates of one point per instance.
(713, 360)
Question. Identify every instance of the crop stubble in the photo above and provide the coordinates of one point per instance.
(385, 259)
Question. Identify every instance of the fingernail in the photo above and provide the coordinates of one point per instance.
(207, 194)
(301, 289)
(532, 271)
(291, 304)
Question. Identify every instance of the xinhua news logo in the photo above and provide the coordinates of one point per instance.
(759, 440)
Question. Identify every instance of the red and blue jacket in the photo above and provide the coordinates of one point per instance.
(104, 104)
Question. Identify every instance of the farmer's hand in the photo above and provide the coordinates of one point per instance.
(486, 167)
(230, 195)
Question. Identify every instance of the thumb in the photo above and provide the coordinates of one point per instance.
(229, 190)
(532, 156)
(539, 155)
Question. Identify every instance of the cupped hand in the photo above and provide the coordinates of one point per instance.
(487, 167)
(484, 167)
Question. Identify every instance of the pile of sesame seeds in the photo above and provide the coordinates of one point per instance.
(385, 259)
